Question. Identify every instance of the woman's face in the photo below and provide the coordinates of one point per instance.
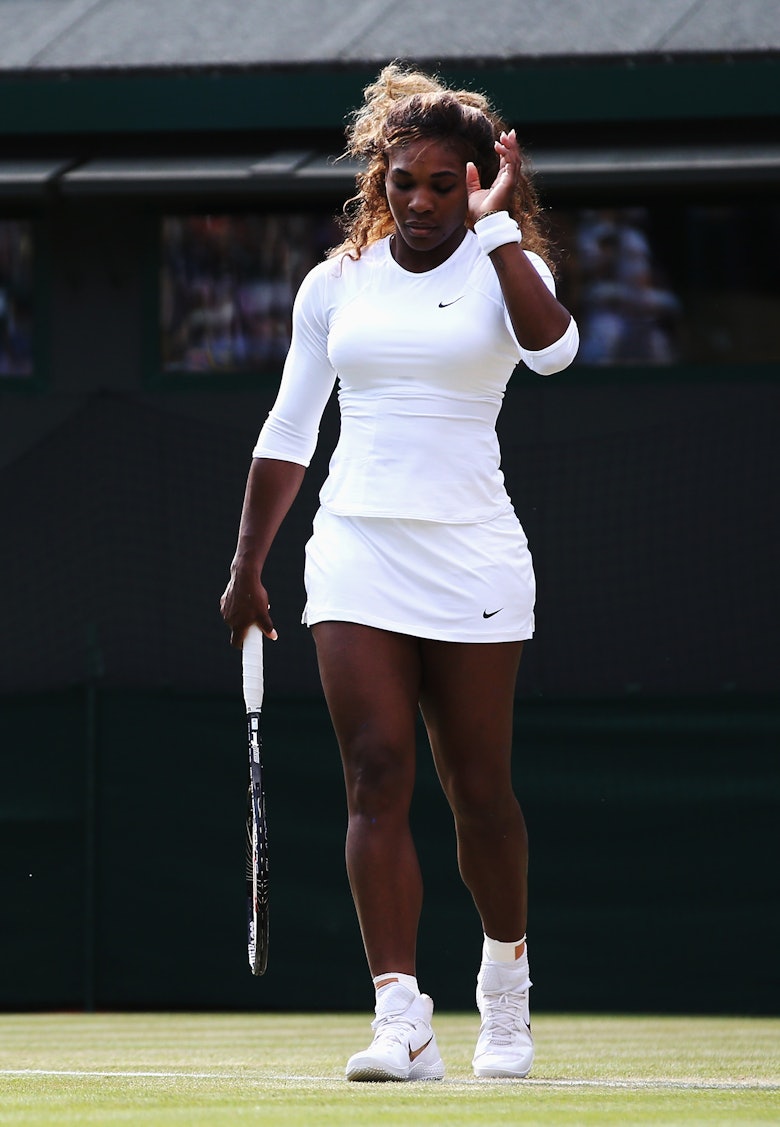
(425, 185)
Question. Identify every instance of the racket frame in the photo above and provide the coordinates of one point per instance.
(256, 826)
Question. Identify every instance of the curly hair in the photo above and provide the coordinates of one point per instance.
(405, 105)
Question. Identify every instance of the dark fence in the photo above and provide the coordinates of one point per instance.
(653, 832)
(649, 503)
(647, 728)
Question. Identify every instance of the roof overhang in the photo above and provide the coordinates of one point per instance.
(299, 173)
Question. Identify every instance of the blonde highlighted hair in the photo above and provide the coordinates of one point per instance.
(405, 105)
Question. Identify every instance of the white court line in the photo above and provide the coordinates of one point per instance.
(77, 1072)
(538, 1082)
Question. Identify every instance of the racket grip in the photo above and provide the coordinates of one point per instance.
(252, 664)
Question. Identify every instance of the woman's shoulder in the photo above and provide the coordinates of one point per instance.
(334, 281)
(483, 272)
(349, 261)
(539, 263)
(344, 266)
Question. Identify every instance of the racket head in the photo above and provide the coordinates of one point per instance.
(257, 888)
(256, 826)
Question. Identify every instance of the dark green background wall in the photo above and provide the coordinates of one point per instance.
(653, 830)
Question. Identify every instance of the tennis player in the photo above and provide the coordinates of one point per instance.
(419, 582)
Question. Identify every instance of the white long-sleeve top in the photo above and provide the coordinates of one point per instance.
(422, 362)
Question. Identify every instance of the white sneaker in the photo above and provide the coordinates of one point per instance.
(404, 1045)
(504, 1046)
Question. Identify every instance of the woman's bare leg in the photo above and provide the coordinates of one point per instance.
(371, 680)
(467, 702)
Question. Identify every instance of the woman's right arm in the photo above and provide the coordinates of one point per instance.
(283, 451)
(271, 488)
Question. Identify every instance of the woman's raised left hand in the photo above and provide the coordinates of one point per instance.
(500, 194)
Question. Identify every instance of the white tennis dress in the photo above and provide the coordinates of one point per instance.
(416, 532)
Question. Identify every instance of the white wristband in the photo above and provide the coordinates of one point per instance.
(496, 229)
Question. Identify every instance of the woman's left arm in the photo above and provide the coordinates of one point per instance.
(538, 318)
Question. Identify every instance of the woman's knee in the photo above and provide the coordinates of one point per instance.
(482, 803)
(379, 776)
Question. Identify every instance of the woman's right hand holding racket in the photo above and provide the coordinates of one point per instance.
(270, 490)
(244, 603)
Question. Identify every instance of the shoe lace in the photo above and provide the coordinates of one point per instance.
(392, 1027)
(503, 1016)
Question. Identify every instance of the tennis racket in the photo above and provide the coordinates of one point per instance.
(256, 831)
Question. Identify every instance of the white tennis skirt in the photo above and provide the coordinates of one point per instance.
(453, 582)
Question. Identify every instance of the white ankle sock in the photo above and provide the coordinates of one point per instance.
(407, 980)
(499, 952)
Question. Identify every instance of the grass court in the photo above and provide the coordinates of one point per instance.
(212, 1070)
